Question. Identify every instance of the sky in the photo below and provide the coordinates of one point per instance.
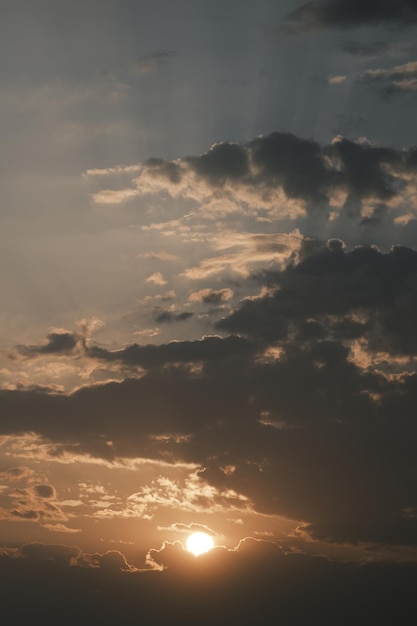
(208, 261)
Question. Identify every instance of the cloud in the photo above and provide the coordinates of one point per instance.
(109, 196)
(168, 317)
(17, 473)
(45, 491)
(299, 399)
(62, 342)
(223, 162)
(394, 80)
(281, 178)
(240, 253)
(57, 343)
(365, 49)
(62, 555)
(335, 284)
(255, 576)
(351, 14)
(58, 553)
(149, 356)
(33, 503)
(193, 495)
(340, 459)
(156, 278)
(211, 296)
(181, 528)
(160, 256)
(336, 80)
(153, 61)
(112, 560)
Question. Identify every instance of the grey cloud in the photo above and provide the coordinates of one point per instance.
(112, 560)
(401, 79)
(399, 87)
(334, 282)
(25, 515)
(363, 171)
(303, 168)
(366, 49)
(64, 555)
(150, 356)
(255, 579)
(57, 553)
(223, 162)
(412, 159)
(296, 164)
(58, 343)
(215, 297)
(327, 462)
(44, 491)
(167, 317)
(170, 169)
(352, 13)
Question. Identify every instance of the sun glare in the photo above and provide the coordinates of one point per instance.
(198, 543)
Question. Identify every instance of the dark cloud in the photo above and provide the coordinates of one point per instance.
(334, 282)
(58, 553)
(167, 317)
(412, 159)
(223, 162)
(151, 356)
(170, 169)
(365, 49)
(58, 343)
(364, 168)
(257, 580)
(293, 163)
(112, 560)
(44, 491)
(25, 515)
(352, 13)
(302, 168)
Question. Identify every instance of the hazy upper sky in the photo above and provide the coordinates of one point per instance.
(208, 260)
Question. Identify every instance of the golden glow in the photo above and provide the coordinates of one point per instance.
(199, 542)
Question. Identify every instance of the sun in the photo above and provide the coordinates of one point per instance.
(198, 543)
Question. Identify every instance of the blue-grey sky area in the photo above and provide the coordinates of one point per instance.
(208, 261)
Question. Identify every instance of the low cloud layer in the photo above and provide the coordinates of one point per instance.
(255, 579)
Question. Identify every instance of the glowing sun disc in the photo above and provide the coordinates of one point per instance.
(198, 543)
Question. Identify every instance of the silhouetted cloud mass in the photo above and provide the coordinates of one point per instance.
(256, 581)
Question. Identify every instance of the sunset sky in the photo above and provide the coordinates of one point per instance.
(208, 261)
